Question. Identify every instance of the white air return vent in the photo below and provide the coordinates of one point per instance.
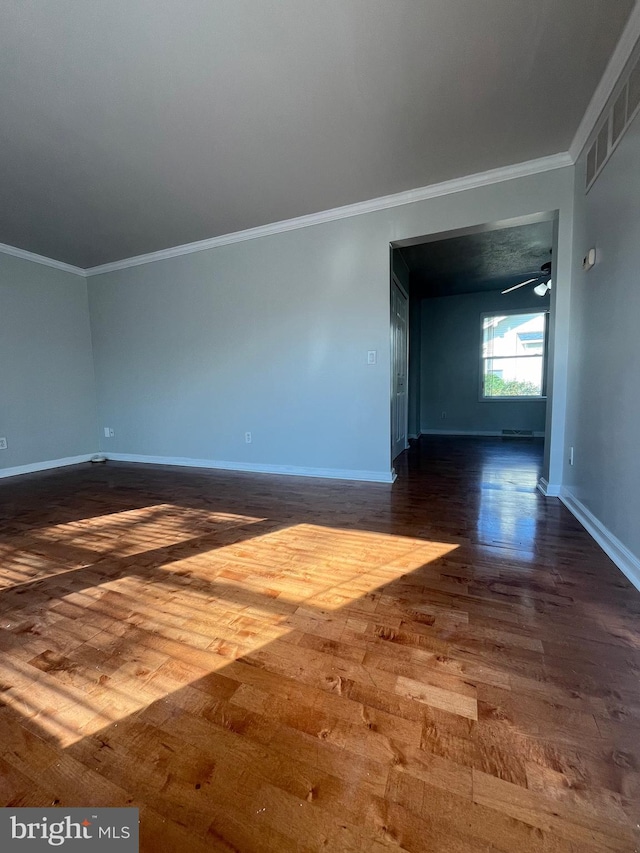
(619, 118)
(517, 433)
(614, 125)
(591, 163)
(634, 92)
(603, 147)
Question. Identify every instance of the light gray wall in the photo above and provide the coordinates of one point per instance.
(47, 389)
(268, 336)
(271, 336)
(603, 414)
(450, 365)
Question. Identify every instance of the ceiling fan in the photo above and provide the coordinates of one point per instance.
(540, 289)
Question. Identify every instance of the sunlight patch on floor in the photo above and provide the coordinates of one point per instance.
(103, 651)
(54, 549)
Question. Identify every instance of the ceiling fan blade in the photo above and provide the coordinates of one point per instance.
(516, 286)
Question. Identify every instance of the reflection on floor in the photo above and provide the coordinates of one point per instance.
(272, 664)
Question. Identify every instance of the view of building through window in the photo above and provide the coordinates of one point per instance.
(513, 353)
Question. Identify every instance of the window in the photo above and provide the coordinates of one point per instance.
(513, 355)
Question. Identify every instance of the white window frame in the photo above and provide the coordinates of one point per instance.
(507, 313)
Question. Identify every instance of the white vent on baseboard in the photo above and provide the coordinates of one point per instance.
(614, 125)
(517, 433)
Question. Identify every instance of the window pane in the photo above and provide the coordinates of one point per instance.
(513, 377)
(512, 335)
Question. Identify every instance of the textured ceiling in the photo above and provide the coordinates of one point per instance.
(487, 260)
(128, 126)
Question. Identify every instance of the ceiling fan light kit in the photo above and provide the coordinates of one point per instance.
(540, 289)
(543, 288)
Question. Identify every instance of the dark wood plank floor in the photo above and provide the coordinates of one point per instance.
(275, 664)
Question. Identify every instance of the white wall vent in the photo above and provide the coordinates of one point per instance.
(591, 163)
(613, 125)
(517, 433)
(634, 90)
(619, 117)
(602, 149)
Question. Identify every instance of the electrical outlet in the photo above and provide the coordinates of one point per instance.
(3, 443)
(372, 356)
(443, 416)
(247, 437)
(109, 432)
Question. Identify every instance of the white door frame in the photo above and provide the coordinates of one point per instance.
(396, 283)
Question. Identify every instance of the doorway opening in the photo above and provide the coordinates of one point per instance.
(479, 334)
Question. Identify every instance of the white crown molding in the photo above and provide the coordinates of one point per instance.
(44, 466)
(615, 67)
(616, 550)
(480, 179)
(257, 468)
(40, 259)
(456, 185)
(612, 73)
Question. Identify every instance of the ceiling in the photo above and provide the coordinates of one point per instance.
(129, 126)
(486, 260)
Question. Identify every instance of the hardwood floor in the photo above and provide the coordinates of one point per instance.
(275, 664)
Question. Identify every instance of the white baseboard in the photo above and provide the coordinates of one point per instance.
(45, 466)
(258, 468)
(492, 432)
(549, 490)
(627, 562)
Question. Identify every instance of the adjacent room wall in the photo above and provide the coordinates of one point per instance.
(271, 336)
(450, 366)
(47, 389)
(603, 414)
